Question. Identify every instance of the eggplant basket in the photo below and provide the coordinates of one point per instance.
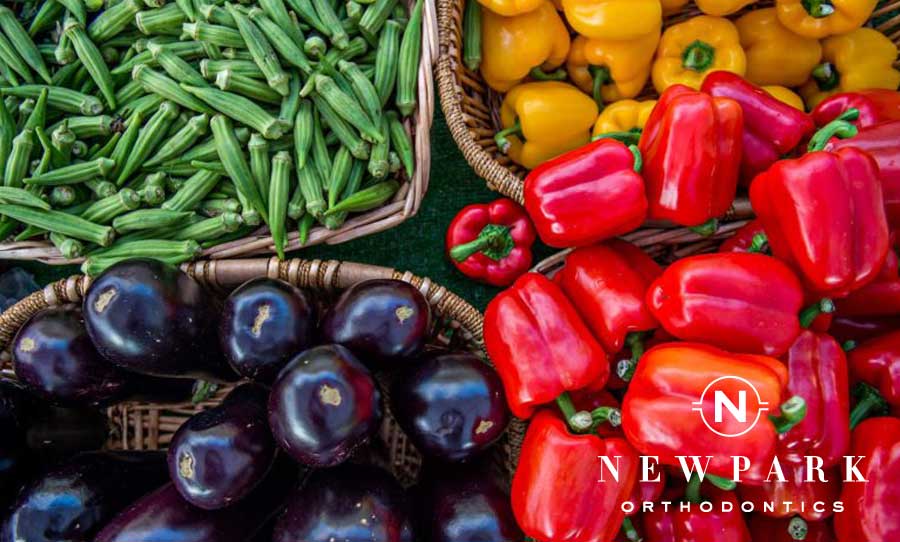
(136, 91)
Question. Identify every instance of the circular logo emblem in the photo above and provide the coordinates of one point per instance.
(730, 406)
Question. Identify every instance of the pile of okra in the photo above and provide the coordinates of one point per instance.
(156, 128)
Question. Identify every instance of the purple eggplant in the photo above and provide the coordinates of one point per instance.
(351, 503)
(465, 505)
(163, 516)
(54, 357)
(452, 406)
(218, 456)
(324, 405)
(265, 323)
(383, 321)
(149, 317)
(74, 500)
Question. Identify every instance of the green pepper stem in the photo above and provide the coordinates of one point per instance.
(692, 491)
(638, 159)
(826, 76)
(818, 8)
(203, 390)
(792, 412)
(698, 56)
(797, 528)
(722, 483)
(579, 421)
(631, 137)
(848, 345)
(707, 229)
(501, 137)
(839, 127)
(629, 530)
(809, 314)
(758, 243)
(869, 402)
(538, 73)
(601, 76)
(494, 241)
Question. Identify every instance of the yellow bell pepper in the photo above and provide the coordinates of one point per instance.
(822, 18)
(544, 119)
(610, 70)
(785, 95)
(623, 116)
(859, 60)
(515, 47)
(671, 6)
(508, 8)
(722, 7)
(613, 19)
(775, 55)
(690, 50)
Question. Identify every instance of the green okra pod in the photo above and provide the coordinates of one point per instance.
(297, 206)
(17, 164)
(305, 10)
(320, 153)
(287, 47)
(18, 196)
(472, 35)
(152, 195)
(87, 127)
(38, 116)
(7, 133)
(103, 211)
(92, 60)
(211, 68)
(240, 109)
(347, 107)
(400, 141)
(68, 247)
(279, 191)
(74, 173)
(375, 18)
(277, 12)
(184, 49)
(105, 150)
(101, 188)
(362, 87)
(366, 199)
(49, 12)
(232, 158)
(291, 103)
(315, 47)
(165, 20)
(148, 139)
(340, 173)
(130, 91)
(63, 140)
(168, 88)
(304, 128)
(79, 149)
(210, 228)
(259, 163)
(344, 132)
(123, 148)
(408, 63)
(188, 8)
(215, 207)
(176, 67)
(311, 185)
(261, 51)
(251, 88)
(147, 219)
(64, 99)
(195, 189)
(23, 43)
(222, 36)
(158, 250)
(303, 228)
(328, 17)
(211, 166)
(182, 140)
(378, 159)
(113, 20)
(218, 15)
(64, 53)
(56, 221)
(354, 182)
(76, 9)
(10, 56)
(62, 196)
(387, 60)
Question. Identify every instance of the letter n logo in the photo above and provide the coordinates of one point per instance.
(739, 412)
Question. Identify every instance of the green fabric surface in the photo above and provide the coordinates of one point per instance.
(417, 245)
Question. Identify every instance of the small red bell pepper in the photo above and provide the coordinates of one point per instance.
(491, 242)
(811, 500)
(823, 213)
(794, 529)
(607, 283)
(587, 195)
(691, 146)
(877, 363)
(539, 344)
(874, 105)
(562, 491)
(856, 329)
(658, 409)
(737, 301)
(694, 525)
(871, 508)
(772, 128)
(817, 369)
(751, 237)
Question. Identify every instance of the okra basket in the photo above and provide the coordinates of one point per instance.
(150, 426)
(472, 110)
(403, 205)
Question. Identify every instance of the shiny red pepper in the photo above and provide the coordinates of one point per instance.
(794, 529)
(607, 283)
(562, 492)
(491, 242)
(812, 500)
(737, 301)
(590, 400)
(691, 146)
(872, 508)
(539, 344)
(823, 213)
(772, 128)
(857, 329)
(658, 409)
(817, 369)
(647, 492)
(877, 363)
(874, 105)
(587, 195)
(694, 525)
(751, 237)
(880, 297)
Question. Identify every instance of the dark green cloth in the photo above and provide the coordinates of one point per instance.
(417, 245)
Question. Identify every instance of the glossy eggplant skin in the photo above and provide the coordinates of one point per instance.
(74, 500)
(452, 406)
(54, 357)
(324, 404)
(351, 503)
(266, 322)
(384, 321)
(149, 317)
(464, 505)
(220, 455)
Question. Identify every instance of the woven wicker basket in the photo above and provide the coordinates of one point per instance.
(472, 108)
(150, 426)
(404, 204)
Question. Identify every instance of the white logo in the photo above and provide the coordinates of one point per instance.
(729, 419)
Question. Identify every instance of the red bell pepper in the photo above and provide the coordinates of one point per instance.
(874, 105)
(491, 242)
(880, 297)
(793, 529)
(811, 500)
(772, 128)
(856, 329)
(590, 400)
(694, 525)
(737, 301)
(691, 146)
(562, 491)
(817, 369)
(658, 409)
(872, 508)
(877, 363)
(539, 344)
(587, 195)
(647, 492)
(607, 284)
(751, 237)
(824, 214)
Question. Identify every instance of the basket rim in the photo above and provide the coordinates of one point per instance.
(404, 205)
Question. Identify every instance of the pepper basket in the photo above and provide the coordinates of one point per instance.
(402, 206)
(472, 110)
(138, 425)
